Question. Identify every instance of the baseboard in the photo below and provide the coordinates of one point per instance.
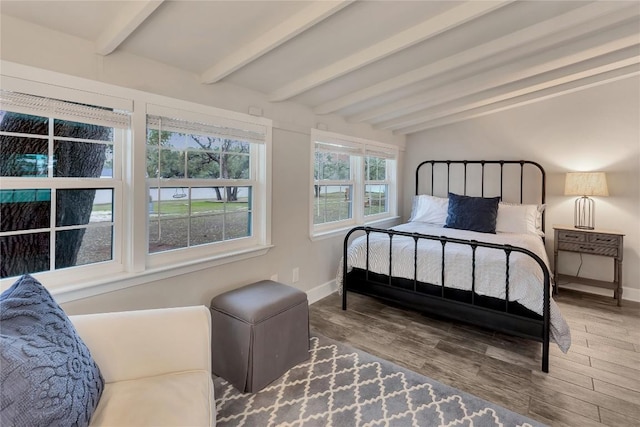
(627, 294)
(321, 291)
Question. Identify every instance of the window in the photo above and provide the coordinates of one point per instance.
(379, 167)
(353, 181)
(59, 183)
(119, 189)
(202, 178)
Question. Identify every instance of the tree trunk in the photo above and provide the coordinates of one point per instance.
(218, 193)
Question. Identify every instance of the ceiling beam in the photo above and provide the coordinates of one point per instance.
(418, 33)
(581, 54)
(291, 27)
(536, 84)
(569, 87)
(132, 16)
(576, 23)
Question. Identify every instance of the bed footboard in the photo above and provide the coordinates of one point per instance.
(441, 300)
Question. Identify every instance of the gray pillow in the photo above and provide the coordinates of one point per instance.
(48, 376)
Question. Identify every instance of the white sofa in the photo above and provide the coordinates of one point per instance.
(156, 365)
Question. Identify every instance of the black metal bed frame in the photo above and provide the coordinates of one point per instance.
(505, 316)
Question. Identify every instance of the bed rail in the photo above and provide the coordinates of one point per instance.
(528, 328)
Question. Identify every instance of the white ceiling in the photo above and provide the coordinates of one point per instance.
(404, 66)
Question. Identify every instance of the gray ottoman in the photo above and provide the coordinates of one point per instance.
(259, 332)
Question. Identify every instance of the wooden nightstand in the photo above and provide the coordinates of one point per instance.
(607, 243)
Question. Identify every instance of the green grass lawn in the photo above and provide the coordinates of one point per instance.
(198, 207)
(179, 207)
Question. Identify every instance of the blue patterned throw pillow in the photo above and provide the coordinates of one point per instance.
(48, 377)
(472, 213)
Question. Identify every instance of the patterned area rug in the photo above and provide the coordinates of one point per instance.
(341, 386)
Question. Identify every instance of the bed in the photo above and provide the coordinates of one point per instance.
(498, 278)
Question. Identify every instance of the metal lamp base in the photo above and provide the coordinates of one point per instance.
(584, 213)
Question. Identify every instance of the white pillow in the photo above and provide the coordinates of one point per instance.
(429, 209)
(523, 219)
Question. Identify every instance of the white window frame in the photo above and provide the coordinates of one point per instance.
(389, 180)
(257, 176)
(131, 264)
(359, 148)
(54, 184)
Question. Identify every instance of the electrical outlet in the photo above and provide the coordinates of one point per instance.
(296, 275)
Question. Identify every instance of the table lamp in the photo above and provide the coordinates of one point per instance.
(585, 184)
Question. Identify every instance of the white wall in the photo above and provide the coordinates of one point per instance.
(594, 129)
(317, 261)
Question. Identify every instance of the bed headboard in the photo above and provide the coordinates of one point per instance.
(515, 181)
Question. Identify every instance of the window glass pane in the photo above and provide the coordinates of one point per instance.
(375, 199)
(69, 129)
(212, 214)
(24, 253)
(173, 140)
(153, 169)
(170, 202)
(237, 225)
(332, 166)
(23, 123)
(82, 159)
(25, 157)
(235, 166)
(27, 209)
(171, 164)
(153, 137)
(238, 198)
(203, 164)
(167, 234)
(207, 201)
(81, 206)
(206, 229)
(375, 168)
(332, 203)
(207, 157)
(107, 167)
(96, 245)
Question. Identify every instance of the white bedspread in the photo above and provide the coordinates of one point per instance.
(525, 275)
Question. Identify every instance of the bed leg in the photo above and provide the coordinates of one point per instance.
(344, 299)
(545, 356)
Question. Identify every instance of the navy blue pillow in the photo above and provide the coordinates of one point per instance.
(472, 213)
(48, 376)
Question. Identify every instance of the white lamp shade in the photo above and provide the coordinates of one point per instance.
(586, 184)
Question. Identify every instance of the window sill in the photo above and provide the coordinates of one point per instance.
(382, 223)
(67, 293)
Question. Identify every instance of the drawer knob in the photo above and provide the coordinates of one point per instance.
(586, 248)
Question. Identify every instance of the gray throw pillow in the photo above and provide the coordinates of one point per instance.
(48, 377)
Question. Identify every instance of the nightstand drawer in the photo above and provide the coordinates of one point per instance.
(604, 239)
(588, 248)
(572, 236)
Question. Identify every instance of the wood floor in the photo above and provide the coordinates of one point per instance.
(596, 383)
